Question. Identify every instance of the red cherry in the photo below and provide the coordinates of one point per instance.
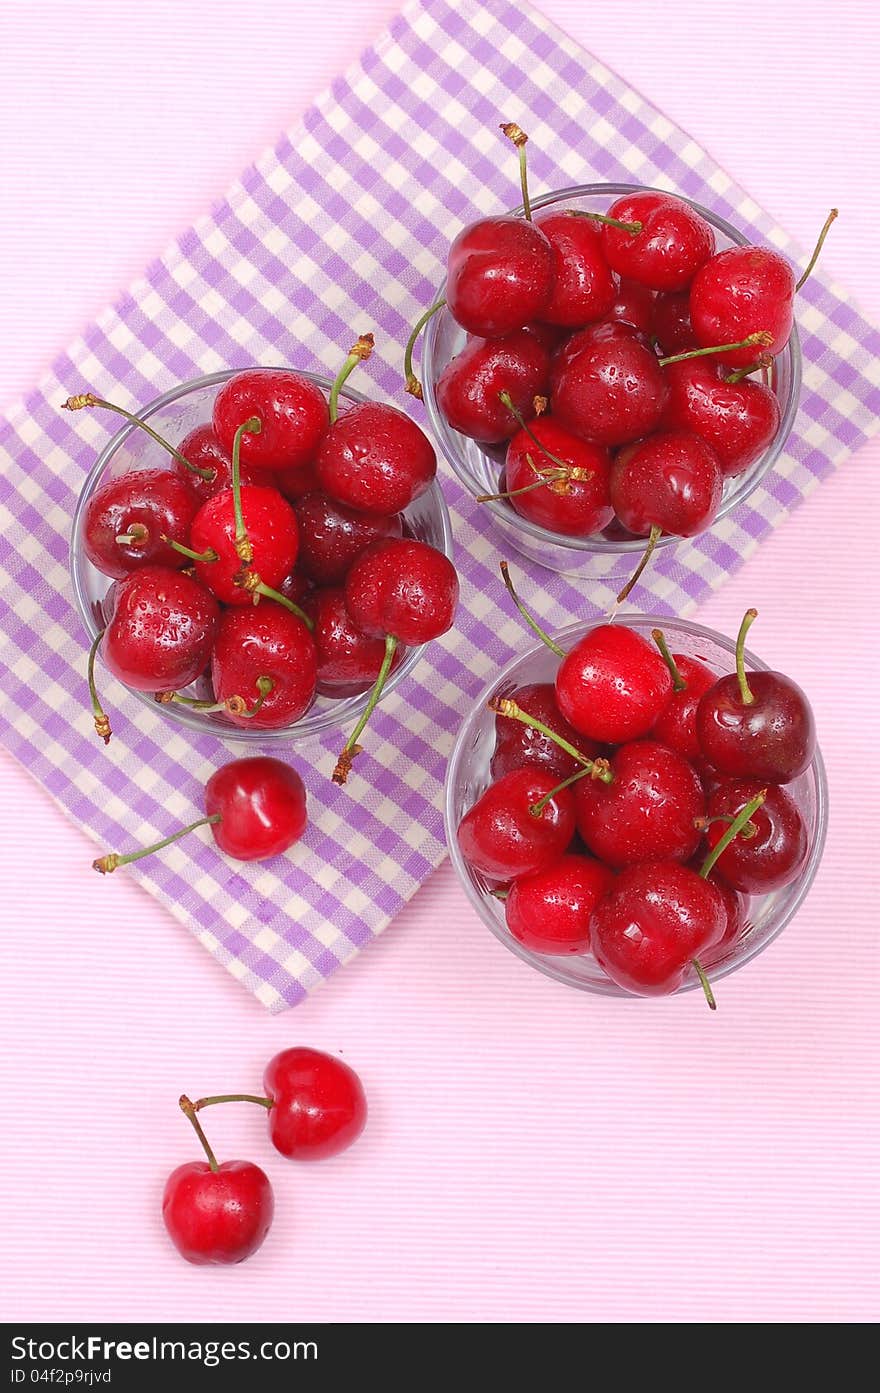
(403, 588)
(676, 726)
(375, 459)
(673, 243)
(318, 1104)
(264, 641)
(295, 587)
(573, 506)
(648, 813)
(127, 518)
(348, 661)
(499, 276)
(738, 419)
(671, 323)
(606, 385)
(775, 854)
(549, 912)
(204, 451)
(519, 746)
(734, 910)
(771, 738)
(217, 1216)
(503, 838)
(293, 483)
(292, 411)
(633, 304)
(271, 526)
(583, 287)
(261, 806)
(742, 291)
(332, 536)
(671, 481)
(612, 685)
(162, 630)
(468, 390)
(657, 918)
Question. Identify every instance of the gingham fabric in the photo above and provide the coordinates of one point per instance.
(342, 227)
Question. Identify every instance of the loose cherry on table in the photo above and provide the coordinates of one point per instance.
(264, 666)
(331, 536)
(657, 240)
(650, 811)
(128, 521)
(549, 912)
(292, 412)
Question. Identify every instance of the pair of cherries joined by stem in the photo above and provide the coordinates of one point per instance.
(220, 1213)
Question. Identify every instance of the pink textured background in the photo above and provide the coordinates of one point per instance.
(532, 1153)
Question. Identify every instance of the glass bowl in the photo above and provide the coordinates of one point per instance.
(174, 415)
(611, 560)
(468, 775)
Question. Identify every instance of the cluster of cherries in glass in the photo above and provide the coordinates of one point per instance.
(221, 1213)
(609, 355)
(269, 560)
(637, 802)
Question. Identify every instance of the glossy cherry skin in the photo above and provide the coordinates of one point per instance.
(738, 419)
(348, 661)
(499, 276)
(293, 483)
(202, 448)
(675, 241)
(606, 385)
(742, 291)
(648, 813)
(332, 536)
(217, 1217)
(295, 587)
(657, 917)
(162, 630)
(776, 854)
(574, 507)
(734, 910)
(583, 286)
(501, 837)
(154, 502)
(319, 1107)
(633, 304)
(549, 912)
(468, 387)
(518, 746)
(265, 640)
(293, 415)
(671, 323)
(375, 459)
(676, 726)
(773, 738)
(262, 807)
(403, 588)
(272, 528)
(613, 684)
(672, 480)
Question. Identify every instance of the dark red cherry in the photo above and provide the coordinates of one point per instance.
(261, 804)
(292, 411)
(295, 587)
(650, 812)
(468, 389)
(583, 286)
(674, 241)
(348, 660)
(738, 419)
(743, 291)
(403, 588)
(332, 536)
(500, 835)
(293, 483)
(612, 685)
(564, 503)
(775, 854)
(126, 518)
(657, 918)
(519, 746)
(606, 385)
(272, 528)
(264, 641)
(672, 481)
(676, 726)
(633, 304)
(671, 323)
(499, 276)
(162, 630)
(735, 909)
(772, 737)
(549, 912)
(204, 451)
(375, 459)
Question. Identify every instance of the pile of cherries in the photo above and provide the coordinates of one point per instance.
(268, 561)
(609, 356)
(637, 802)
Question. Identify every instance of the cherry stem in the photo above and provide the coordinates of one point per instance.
(744, 690)
(746, 832)
(250, 581)
(762, 338)
(678, 682)
(733, 830)
(519, 138)
(500, 894)
(352, 748)
(188, 1108)
(633, 228)
(102, 720)
(760, 364)
(654, 537)
(135, 535)
(556, 480)
(358, 353)
(110, 862)
(206, 556)
(411, 382)
(532, 623)
(818, 247)
(705, 984)
(600, 770)
(243, 547)
(507, 401)
(89, 399)
(503, 706)
(232, 1098)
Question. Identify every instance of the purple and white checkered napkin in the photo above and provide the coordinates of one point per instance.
(344, 226)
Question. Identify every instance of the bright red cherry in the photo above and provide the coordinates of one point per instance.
(375, 459)
(671, 323)
(501, 836)
(162, 630)
(127, 519)
(348, 661)
(573, 504)
(612, 685)
(217, 1215)
(549, 912)
(267, 642)
(271, 526)
(318, 1104)
(676, 726)
(606, 385)
(738, 419)
(673, 242)
(649, 812)
(469, 387)
(583, 286)
(743, 291)
(633, 304)
(671, 481)
(292, 411)
(658, 917)
(499, 276)
(204, 451)
(520, 746)
(775, 854)
(332, 536)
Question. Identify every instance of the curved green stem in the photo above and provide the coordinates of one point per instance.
(411, 382)
(232, 1098)
(704, 983)
(352, 748)
(110, 862)
(188, 1108)
(732, 831)
(818, 247)
(77, 403)
(503, 706)
(762, 338)
(744, 690)
(678, 682)
(532, 623)
(758, 366)
(102, 720)
(520, 139)
(654, 537)
(600, 770)
(208, 555)
(507, 401)
(259, 587)
(359, 353)
(633, 228)
(242, 542)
